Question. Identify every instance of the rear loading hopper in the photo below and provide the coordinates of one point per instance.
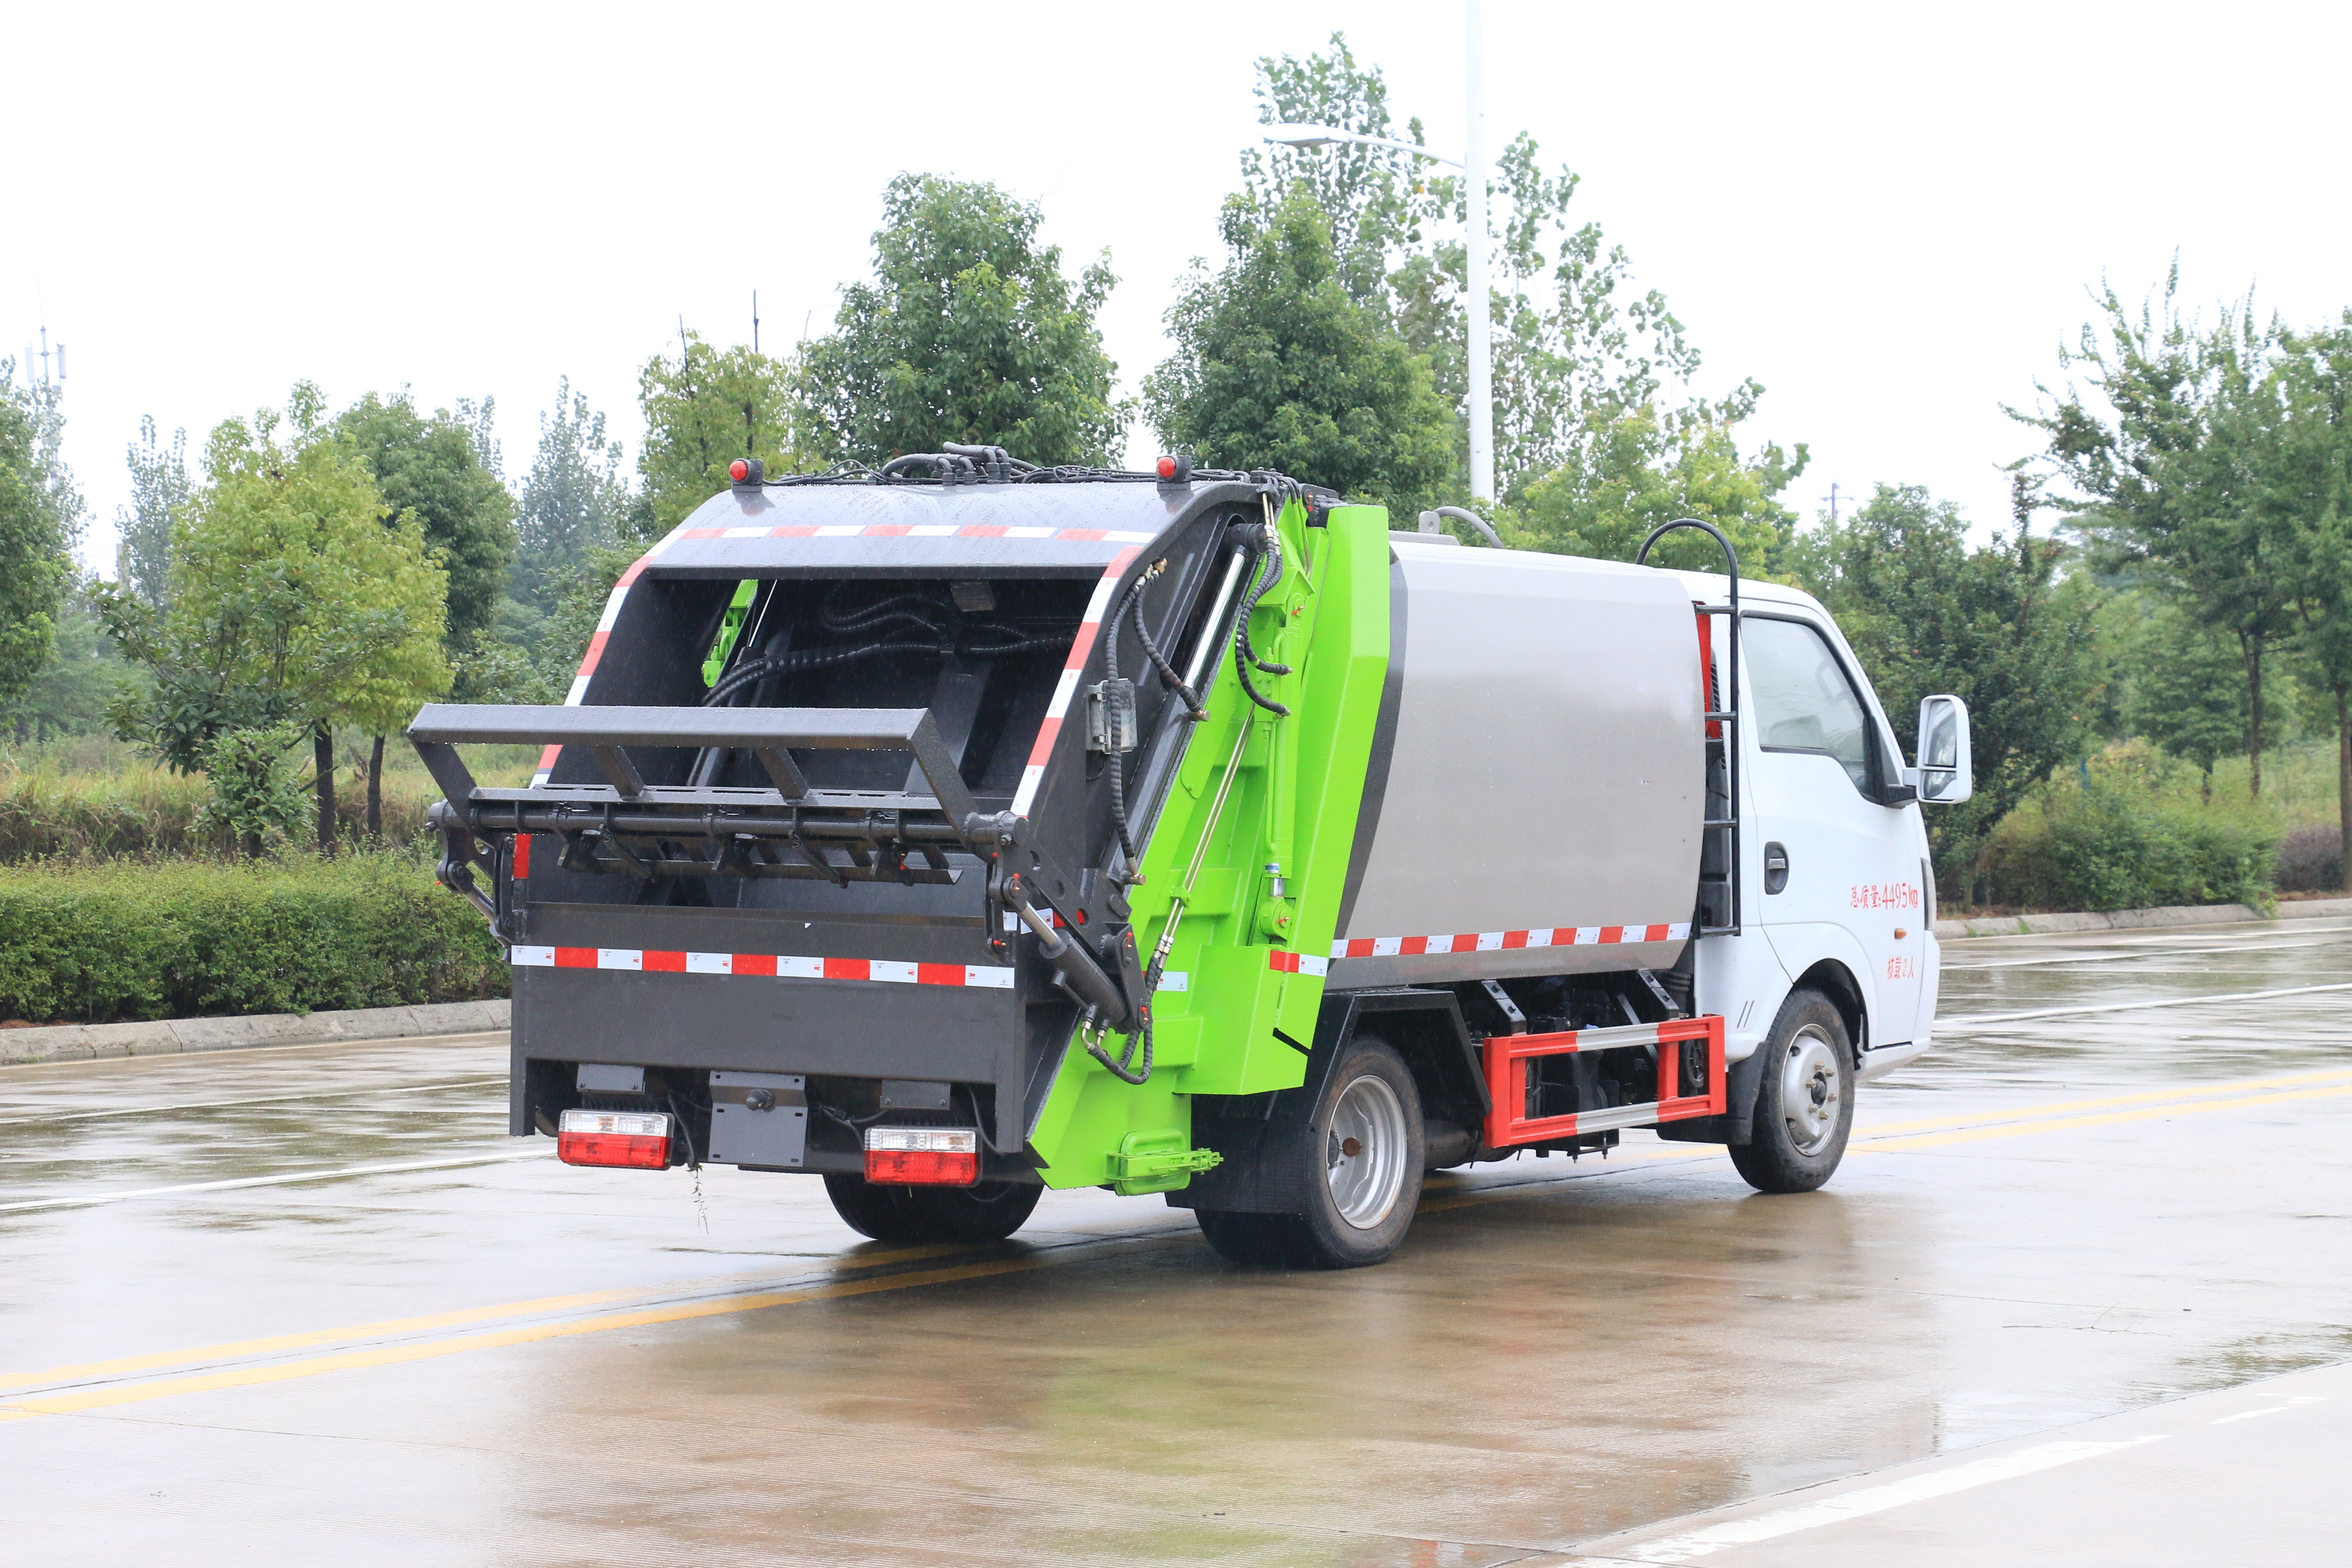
(1004, 828)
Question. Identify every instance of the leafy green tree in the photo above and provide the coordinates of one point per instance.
(1578, 347)
(1997, 626)
(2312, 478)
(41, 514)
(440, 468)
(969, 333)
(70, 695)
(702, 411)
(2187, 689)
(574, 499)
(446, 471)
(158, 482)
(295, 599)
(1644, 469)
(1278, 367)
(2171, 471)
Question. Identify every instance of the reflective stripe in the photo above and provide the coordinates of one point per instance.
(1499, 940)
(783, 966)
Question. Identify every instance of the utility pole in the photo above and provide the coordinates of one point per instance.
(755, 321)
(1833, 499)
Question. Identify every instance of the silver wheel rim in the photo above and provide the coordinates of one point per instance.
(1810, 1092)
(1364, 1151)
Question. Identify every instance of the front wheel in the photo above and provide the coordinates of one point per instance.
(1364, 1151)
(1804, 1104)
(989, 1211)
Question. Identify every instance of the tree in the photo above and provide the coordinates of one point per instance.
(710, 408)
(70, 695)
(1278, 367)
(441, 468)
(969, 333)
(574, 499)
(1997, 627)
(2312, 478)
(1644, 469)
(444, 470)
(158, 482)
(2186, 691)
(1577, 349)
(2172, 474)
(295, 599)
(40, 514)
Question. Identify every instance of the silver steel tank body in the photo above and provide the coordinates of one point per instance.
(1537, 782)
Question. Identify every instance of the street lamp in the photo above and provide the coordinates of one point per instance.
(1473, 164)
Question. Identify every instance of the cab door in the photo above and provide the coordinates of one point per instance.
(1841, 842)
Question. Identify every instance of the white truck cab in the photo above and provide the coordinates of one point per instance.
(1838, 888)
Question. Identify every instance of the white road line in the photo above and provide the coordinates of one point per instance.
(2268, 1410)
(274, 1181)
(1854, 1504)
(258, 1099)
(2131, 957)
(1983, 1019)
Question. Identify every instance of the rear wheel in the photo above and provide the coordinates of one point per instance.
(989, 1211)
(1365, 1143)
(1804, 1103)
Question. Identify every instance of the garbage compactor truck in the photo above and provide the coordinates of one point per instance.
(963, 829)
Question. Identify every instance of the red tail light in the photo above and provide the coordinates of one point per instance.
(922, 1156)
(633, 1139)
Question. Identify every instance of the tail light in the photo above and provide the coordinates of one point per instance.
(635, 1139)
(922, 1156)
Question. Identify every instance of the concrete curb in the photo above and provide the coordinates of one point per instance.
(174, 1036)
(2134, 920)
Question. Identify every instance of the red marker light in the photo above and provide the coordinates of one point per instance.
(1167, 468)
(632, 1140)
(739, 471)
(922, 1156)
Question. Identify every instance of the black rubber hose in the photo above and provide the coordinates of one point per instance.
(1244, 655)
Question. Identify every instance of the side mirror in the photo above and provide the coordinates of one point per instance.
(1946, 773)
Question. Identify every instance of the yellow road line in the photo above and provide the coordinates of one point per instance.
(2055, 1108)
(2054, 1123)
(75, 1401)
(431, 1320)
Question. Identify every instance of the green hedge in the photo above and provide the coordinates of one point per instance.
(2106, 847)
(98, 944)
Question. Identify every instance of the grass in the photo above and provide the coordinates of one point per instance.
(93, 797)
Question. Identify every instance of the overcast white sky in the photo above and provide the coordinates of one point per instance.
(1888, 215)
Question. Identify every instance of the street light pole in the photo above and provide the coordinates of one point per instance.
(1477, 303)
(1481, 322)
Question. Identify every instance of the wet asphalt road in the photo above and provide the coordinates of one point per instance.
(424, 1350)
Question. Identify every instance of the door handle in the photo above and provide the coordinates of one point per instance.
(1776, 867)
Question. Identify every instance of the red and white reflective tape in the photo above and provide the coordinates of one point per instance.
(1066, 687)
(596, 643)
(923, 530)
(1298, 964)
(779, 966)
(1502, 941)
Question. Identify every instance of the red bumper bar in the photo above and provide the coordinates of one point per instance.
(1507, 1080)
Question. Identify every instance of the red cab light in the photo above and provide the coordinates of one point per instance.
(739, 471)
(632, 1140)
(922, 1156)
(1167, 468)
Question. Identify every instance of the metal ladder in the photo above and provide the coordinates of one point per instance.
(1723, 739)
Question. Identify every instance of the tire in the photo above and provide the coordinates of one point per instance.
(1804, 1103)
(988, 1212)
(1363, 1150)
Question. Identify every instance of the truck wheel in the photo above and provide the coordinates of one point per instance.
(988, 1212)
(1365, 1143)
(1804, 1100)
